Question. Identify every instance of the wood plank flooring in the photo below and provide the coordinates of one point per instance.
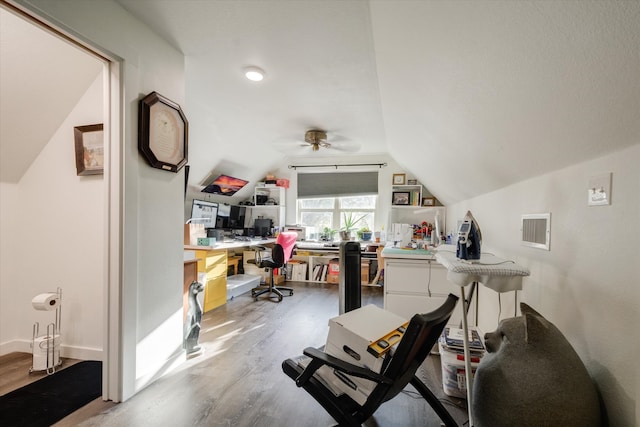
(238, 381)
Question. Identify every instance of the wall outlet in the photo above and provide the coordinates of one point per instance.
(599, 191)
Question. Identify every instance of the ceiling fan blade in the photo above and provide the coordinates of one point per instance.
(347, 147)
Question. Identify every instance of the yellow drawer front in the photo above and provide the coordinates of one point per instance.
(212, 260)
(216, 257)
(219, 269)
(215, 293)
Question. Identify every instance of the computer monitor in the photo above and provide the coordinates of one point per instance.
(203, 212)
(262, 227)
(237, 216)
(222, 220)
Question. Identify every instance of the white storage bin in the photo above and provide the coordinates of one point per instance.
(454, 372)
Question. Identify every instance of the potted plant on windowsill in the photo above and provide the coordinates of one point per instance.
(327, 234)
(365, 234)
(350, 222)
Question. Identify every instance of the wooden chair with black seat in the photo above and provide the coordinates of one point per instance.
(280, 254)
(420, 336)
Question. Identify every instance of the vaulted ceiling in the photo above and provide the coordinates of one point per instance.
(41, 80)
(469, 96)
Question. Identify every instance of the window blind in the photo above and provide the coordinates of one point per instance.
(338, 184)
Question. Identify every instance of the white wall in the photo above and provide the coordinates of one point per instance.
(53, 236)
(152, 199)
(587, 284)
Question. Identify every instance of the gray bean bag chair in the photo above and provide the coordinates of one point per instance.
(531, 376)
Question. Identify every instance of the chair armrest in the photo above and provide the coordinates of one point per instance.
(319, 358)
(258, 249)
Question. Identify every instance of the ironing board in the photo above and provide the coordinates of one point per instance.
(498, 274)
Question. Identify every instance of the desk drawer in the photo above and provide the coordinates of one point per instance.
(408, 305)
(416, 277)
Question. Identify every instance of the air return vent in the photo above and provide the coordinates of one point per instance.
(536, 230)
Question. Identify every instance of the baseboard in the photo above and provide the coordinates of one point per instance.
(72, 352)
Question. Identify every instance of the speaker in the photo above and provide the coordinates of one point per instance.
(349, 284)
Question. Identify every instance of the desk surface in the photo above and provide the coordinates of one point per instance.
(498, 274)
(391, 252)
(230, 244)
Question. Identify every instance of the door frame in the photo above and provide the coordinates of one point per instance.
(112, 276)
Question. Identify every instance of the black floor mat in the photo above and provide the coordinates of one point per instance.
(53, 397)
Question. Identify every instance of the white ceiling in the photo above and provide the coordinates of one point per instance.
(41, 80)
(468, 96)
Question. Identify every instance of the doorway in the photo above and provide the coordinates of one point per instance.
(60, 227)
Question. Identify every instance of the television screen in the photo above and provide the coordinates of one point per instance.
(225, 185)
(203, 212)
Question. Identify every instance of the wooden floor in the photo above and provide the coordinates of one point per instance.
(238, 380)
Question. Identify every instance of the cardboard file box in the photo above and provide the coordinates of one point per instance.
(333, 275)
(350, 336)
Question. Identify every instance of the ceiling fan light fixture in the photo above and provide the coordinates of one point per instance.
(255, 74)
(315, 136)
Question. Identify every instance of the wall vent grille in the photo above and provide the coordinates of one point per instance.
(536, 230)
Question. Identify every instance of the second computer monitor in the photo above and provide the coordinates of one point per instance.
(262, 227)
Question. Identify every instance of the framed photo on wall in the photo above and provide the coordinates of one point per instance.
(401, 198)
(428, 201)
(399, 178)
(89, 143)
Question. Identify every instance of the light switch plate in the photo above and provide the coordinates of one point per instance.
(599, 191)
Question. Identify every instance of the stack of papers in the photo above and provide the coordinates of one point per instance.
(451, 340)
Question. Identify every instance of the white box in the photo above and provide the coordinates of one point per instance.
(350, 335)
(241, 283)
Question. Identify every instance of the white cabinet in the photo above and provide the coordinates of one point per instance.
(269, 196)
(416, 286)
(269, 204)
(407, 208)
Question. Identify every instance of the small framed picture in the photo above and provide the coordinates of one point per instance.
(401, 198)
(89, 143)
(399, 178)
(412, 182)
(428, 201)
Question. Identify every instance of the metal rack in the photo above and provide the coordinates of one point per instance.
(46, 348)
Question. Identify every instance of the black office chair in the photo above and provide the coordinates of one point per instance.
(280, 254)
(421, 335)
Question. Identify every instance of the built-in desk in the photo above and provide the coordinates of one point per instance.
(414, 282)
(212, 264)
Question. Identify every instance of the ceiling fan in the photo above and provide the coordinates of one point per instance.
(317, 139)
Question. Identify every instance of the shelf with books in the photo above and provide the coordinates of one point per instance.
(317, 267)
(406, 196)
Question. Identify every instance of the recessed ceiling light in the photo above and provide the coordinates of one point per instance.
(254, 73)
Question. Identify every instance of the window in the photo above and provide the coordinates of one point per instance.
(327, 212)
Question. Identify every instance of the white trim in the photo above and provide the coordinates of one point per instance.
(112, 366)
(80, 353)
